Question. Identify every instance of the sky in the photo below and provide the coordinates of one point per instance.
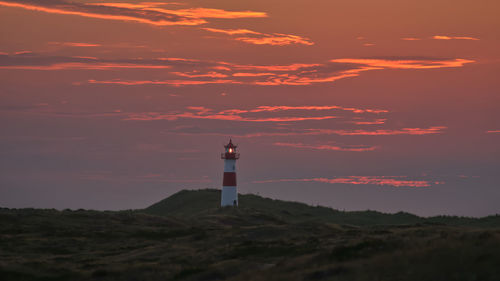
(383, 105)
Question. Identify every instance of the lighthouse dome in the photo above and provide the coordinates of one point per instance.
(230, 145)
(230, 151)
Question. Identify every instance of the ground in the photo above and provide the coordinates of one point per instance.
(248, 243)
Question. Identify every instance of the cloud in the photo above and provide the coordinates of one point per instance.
(22, 52)
(242, 115)
(493, 131)
(259, 79)
(155, 14)
(244, 74)
(275, 68)
(387, 132)
(231, 31)
(196, 75)
(321, 107)
(33, 61)
(218, 13)
(372, 122)
(151, 116)
(191, 12)
(276, 39)
(186, 72)
(259, 114)
(102, 47)
(301, 74)
(317, 132)
(361, 180)
(406, 63)
(360, 148)
(258, 38)
(441, 37)
(444, 37)
(84, 66)
(75, 44)
(104, 12)
(175, 83)
(147, 13)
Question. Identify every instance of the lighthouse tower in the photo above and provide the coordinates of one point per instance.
(229, 192)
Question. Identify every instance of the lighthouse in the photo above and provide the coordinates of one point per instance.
(229, 195)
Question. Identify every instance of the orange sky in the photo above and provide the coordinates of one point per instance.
(387, 105)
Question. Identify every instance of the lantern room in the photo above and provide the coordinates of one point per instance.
(230, 151)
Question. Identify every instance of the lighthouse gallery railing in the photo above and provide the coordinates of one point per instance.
(228, 155)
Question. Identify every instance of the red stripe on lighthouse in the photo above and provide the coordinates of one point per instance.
(229, 179)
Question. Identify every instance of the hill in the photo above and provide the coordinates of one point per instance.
(205, 203)
(187, 237)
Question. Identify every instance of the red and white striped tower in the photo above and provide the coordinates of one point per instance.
(229, 195)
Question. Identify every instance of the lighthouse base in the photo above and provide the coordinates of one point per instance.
(229, 196)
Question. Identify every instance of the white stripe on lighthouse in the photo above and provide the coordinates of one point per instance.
(229, 165)
(229, 196)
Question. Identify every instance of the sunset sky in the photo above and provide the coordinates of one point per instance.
(385, 105)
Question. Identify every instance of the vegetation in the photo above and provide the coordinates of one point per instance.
(187, 237)
(205, 203)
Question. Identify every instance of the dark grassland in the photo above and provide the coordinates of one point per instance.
(187, 237)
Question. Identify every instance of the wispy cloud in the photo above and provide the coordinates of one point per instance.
(378, 121)
(197, 72)
(406, 63)
(246, 74)
(362, 180)
(99, 46)
(211, 74)
(39, 110)
(190, 12)
(152, 116)
(440, 37)
(85, 66)
(276, 39)
(146, 12)
(33, 61)
(232, 31)
(176, 83)
(75, 44)
(242, 115)
(445, 37)
(321, 107)
(23, 52)
(275, 68)
(493, 131)
(318, 132)
(156, 14)
(388, 132)
(104, 12)
(259, 38)
(358, 148)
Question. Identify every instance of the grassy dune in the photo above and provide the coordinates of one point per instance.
(187, 237)
(205, 202)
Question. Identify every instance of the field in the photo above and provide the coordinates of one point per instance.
(187, 237)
